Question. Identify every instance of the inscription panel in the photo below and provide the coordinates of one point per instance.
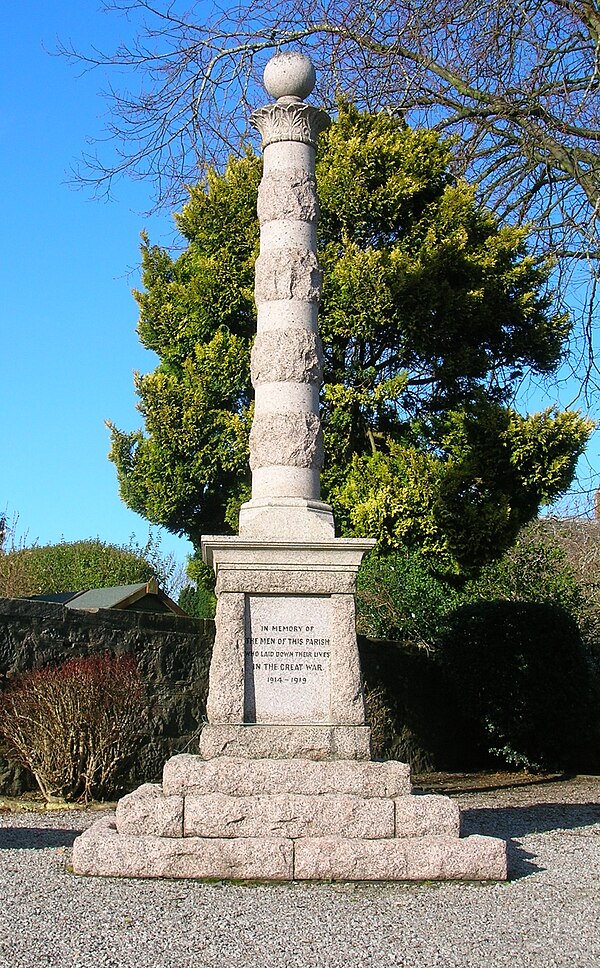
(287, 659)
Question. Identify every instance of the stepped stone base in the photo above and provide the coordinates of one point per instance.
(240, 818)
(104, 851)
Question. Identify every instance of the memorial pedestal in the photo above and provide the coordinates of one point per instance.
(285, 676)
(284, 788)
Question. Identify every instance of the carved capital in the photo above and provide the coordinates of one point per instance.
(287, 355)
(286, 439)
(294, 121)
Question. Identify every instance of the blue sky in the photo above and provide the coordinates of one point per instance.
(67, 264)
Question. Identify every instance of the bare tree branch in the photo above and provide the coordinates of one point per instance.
(514, 83)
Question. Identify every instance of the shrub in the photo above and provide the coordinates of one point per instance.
(519, 673)
(535, 569)
(406, 705)
(502, 665)
(578, 541)
(199, 602)
(198, 599)
(78, 565)
(401, 609)
(400, 598)
(75, 725)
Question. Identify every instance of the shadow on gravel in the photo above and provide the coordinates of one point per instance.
(514, 822)
(35, 838)
(456, 784)
(535, 818)
(521, 862)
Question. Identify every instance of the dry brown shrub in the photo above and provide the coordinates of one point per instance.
(75, 725)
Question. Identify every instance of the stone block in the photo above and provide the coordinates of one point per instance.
(148, 811)
(269, 521)
(286, 194)
(225, 702)
(423, 816)
(292, 439)
(287, 815)
(287, 354)
(278, 396)
(186, 773)
(288, 274)
(287, 314)
(287, 233)
(297, 582)
(286, 742)
(347, 704)
(103, 851)
(335, 556)
(426, 858)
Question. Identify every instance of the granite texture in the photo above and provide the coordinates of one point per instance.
(148, 811)
(290, 815)
(103, 851)
(336, 556)
(283, 314)
(292, 581)
(288, 274)
(268, 521)
(285, 485)
(475, 858)
(286, 396)
(289, 439)
(188, 773)
(283, 657)
(225, 701)
(288, 194)
(425, 816)
(286, 742)
(347, 704)
(285, 355)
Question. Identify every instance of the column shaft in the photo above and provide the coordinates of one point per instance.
(286, 451)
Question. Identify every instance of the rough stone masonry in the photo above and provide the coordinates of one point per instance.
(283, 787)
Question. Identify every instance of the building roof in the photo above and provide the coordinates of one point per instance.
(145, 596)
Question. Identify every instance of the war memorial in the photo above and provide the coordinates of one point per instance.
(283, 787)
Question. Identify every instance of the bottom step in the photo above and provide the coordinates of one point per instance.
(101, 850)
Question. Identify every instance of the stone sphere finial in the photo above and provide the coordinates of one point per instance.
(289, 75)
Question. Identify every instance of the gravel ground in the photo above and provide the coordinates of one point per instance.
(547, 915)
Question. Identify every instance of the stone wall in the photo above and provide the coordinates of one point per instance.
(173, 655)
